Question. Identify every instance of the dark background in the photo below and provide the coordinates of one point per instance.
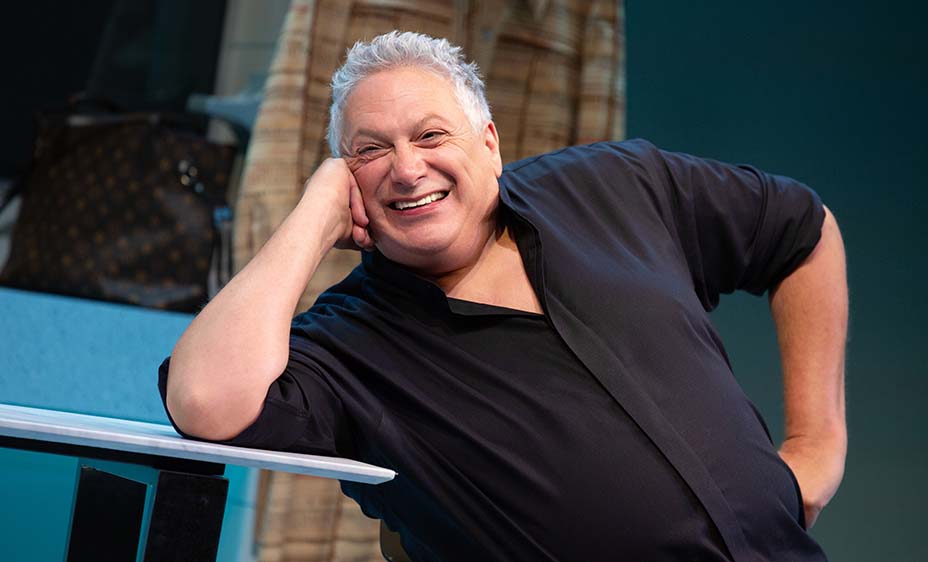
(834, 94)
(139, 54)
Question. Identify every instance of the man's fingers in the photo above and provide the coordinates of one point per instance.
(362, 237)
(360, 233)
(356, 203)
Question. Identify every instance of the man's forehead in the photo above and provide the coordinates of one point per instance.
(400, 81)
(407, 97)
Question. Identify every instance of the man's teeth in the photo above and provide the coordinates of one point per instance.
(424, 201)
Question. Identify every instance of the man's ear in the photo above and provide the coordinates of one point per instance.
(491, 142)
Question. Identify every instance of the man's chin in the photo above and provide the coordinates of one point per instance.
(416, 256)
(426, 258)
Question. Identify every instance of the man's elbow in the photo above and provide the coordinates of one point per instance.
(208, 416)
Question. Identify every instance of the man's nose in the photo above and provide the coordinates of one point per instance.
(408, 166)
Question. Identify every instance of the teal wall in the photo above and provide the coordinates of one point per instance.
(834, 94)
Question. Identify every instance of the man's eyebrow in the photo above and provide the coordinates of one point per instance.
(429, 117)
(373, 134)
(365, 133)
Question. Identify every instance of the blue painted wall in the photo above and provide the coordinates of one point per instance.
(834, 94)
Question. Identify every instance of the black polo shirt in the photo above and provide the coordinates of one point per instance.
(608, 428)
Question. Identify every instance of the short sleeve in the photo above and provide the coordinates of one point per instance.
(739, 228)
(301, 413)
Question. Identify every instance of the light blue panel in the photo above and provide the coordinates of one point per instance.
(95, 358)
(237, 539)
(84, 356)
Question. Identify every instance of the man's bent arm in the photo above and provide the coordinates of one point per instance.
(238, 344)
(810, 311)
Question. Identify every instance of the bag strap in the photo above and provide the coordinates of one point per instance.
(221, 259)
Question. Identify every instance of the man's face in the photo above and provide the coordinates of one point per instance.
(428, 180)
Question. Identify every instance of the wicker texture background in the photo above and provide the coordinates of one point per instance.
(555, 76)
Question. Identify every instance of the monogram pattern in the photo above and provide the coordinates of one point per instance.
(119, 208)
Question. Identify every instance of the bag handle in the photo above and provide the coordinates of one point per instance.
(82, 99)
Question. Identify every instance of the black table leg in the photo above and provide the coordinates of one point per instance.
(186, 518)
(125, 513)
(107, 517)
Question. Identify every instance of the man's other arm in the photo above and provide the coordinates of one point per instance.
(810, 311)
(224, 363)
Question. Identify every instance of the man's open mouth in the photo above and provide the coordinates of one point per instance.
(431, 198)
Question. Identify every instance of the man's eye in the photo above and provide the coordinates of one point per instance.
(431, 135)
(367, 150)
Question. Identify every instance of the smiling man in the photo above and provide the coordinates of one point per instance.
(529, 347)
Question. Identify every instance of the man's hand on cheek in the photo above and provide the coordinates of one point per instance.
(333, 191)
(361, 236)
(360, 229)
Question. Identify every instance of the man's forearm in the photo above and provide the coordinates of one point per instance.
(810, 310)
(239, 344)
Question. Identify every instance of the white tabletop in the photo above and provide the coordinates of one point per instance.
(157, 439)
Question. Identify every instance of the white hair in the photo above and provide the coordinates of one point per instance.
(407, 49)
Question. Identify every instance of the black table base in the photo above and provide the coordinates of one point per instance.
(143, 508)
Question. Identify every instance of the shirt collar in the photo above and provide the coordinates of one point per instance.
(427, 292)
(403, 280)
